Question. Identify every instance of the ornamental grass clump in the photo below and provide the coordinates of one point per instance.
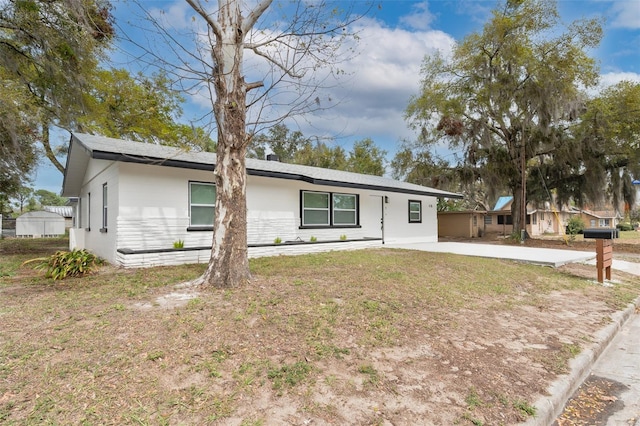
(65, 264)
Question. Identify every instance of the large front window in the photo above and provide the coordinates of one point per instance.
(329, 209)
(202, 201)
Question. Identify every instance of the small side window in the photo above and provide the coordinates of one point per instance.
(104, 208)
(415, 211)
(202, 203)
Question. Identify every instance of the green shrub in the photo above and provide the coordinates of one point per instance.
(178, 244)
(65, 264)
(313, 239)
(278, 240)
(343, 237)
(624, 227)
(575, 226)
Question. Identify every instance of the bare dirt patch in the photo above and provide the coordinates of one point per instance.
(369, 337)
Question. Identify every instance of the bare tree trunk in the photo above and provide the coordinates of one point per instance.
(516, 210)
(229, 264)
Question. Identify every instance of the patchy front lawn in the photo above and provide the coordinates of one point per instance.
(366, 337)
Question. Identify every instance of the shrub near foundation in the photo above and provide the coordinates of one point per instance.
(65, 264)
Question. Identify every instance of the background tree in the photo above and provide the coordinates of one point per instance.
(48, 198)
(293, 147)
(414, 164)
(322, 155)
(141, 108)
(365, 157)
(592, 159)
(24, 199)
(278, 140)
(516, 79)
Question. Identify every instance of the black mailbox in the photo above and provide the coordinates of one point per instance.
(601, 233)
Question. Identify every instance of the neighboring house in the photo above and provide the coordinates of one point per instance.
(540, 221)
(64, 211)
(465, 224)
(134, 200)
(636, 184)
(39, 224)
(600, 219)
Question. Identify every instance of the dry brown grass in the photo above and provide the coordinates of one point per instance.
(338, 338)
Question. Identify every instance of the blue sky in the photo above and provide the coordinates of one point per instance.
(394, 39)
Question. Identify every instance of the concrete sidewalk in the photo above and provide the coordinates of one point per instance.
(616, 353)
(538, 256)
(621, 363)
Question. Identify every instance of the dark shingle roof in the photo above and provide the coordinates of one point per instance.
(85, 146)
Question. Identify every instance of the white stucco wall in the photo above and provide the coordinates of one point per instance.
(148, 209)
(102, 242)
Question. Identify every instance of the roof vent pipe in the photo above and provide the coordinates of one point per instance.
(273, 157)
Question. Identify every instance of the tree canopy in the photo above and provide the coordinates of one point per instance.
(594, 158)
(141, 108)
(47, 49)
(50, 54)
(497, 99)
(293, 147)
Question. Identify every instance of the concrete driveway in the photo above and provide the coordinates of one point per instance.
(537, 256)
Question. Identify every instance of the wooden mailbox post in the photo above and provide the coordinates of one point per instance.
(604, 249)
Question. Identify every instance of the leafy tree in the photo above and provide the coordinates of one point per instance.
(18, 154)
(48, 198)
(47, 48)
(365, 157)
(419, 166)
(592, 160)
(499, 96)
(280, 141)
(140, 108)
(24, 199)
(293, 147)
(321, 155)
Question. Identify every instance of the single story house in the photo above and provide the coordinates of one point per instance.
(39, 224)
(636, 184)
(540, 221)
(133, 201)
(600, 219)
(465, 224)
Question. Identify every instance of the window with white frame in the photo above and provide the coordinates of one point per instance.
(604, 223)
(329, 209)
(415, 211)
(202, 202)
(104, 208)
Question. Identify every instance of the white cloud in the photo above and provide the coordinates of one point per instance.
(611, 78)
(626, 14)
(177, 15)
(381, 80)
(420, 18)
